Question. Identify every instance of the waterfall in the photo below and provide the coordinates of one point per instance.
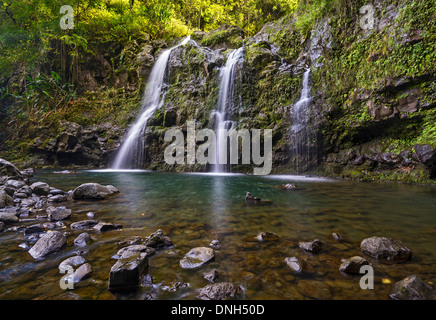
(226, 103)
(131, 153)
(300, 131)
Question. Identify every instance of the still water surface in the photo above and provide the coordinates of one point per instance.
(194, 209)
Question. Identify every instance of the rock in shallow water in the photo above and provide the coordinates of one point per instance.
(93, 191)
(412, 288)
(314, 246)
(267, 236)
(219, 291)
(353, 265)
(126, 272)
(294, 264)
(385, 249)
(48, 243)
(158, 240)
(58, 213)
(197, 257)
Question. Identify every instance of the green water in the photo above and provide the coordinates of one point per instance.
(193, 209)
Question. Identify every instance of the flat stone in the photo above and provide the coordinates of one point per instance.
(197, 257)
(133, 250)
(48, 243)
(84, 224)
(103, 226)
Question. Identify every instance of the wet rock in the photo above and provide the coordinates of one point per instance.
(93, 191)
(48, 243)
(353, 265)
(29, 202)
(294, 264)
(58, 213)
(197, 257)
(5, 199)
(252, 200)
(57, 198)
(314, 246)
(14, 184)
(211, 275)
(82, 272)
(215, 244)
(103, 226)
(267, 236)
(158, 240)
(412, 288)
(130, 241)
(36, 228)
(82, 239)
(40, 188)
(385, 249)
(219, 291)
(84, 224)
(126, 272)
(56, 192)
(2, 226)
(133, 250)
(71, 263)
(176, 286)
(336, 236)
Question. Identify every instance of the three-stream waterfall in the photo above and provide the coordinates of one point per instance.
(132, 151)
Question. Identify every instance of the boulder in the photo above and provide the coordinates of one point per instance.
(314, 246)
(48, 243)
(197, 257)
(385, 249)
(8, 171)
(353, 265)
(5, 199)
(126, 272)
(58, 213)
(412, 288)
(219, 291)
(40, 188)
(93, 191)
(8, 215)
(14, 184)
(158, 240)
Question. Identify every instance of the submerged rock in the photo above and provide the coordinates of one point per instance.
(412, 288)
(294, 264)
(267, 236)
(84, 224)
(219, 291)
(252, 200)
(353, 265)
(93, 191)
(197, 257)
(48, 243)
(314, 246)
(385, 249)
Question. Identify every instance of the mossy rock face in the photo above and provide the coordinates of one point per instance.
(224, 38)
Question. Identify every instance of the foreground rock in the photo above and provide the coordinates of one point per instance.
(197, 257)
(93, 191)
(412, 288)
(353, 265)
(314, 246)
(386, 249)
(48, 243)
(126, 272)
(219, 291)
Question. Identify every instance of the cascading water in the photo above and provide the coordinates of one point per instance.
(300, 131)
(131, 153)
(226, 102)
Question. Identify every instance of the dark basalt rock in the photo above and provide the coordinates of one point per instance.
(126, 272)
(385, 249)
(412, 288)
